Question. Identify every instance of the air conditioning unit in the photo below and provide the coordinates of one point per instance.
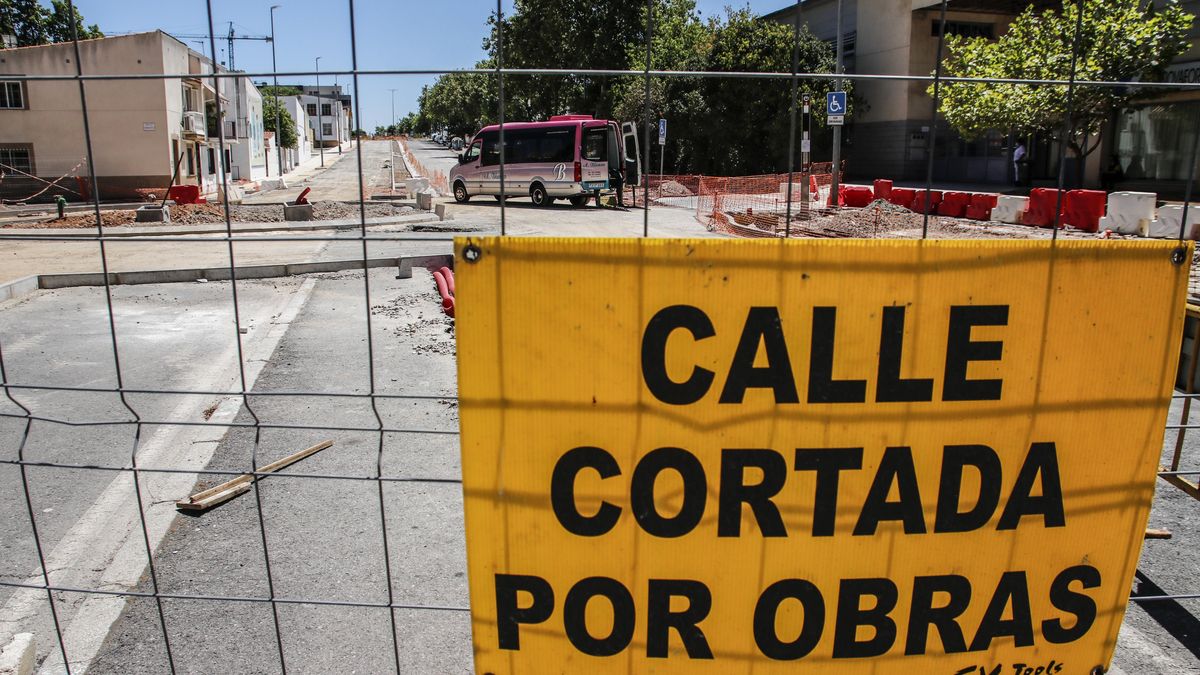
(194, 124)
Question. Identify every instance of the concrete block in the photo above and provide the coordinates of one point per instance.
(405, 265)
(152, 213)
(1009, 209)
(1127, 209)
(18, 656)
(1166, 226)
(440, 210)
(294, 211)
(424, 201)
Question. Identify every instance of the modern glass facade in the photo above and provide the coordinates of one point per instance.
(1154, 142)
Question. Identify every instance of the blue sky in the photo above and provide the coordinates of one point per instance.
(390, 34)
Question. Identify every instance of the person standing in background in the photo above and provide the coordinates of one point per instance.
(1018, 161)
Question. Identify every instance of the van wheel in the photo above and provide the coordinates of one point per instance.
(460, 193)
(579, 201)
(538, 194)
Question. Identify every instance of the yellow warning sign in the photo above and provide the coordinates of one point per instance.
(720, 456)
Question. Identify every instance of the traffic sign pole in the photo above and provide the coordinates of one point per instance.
(662, 147)
(805, 151)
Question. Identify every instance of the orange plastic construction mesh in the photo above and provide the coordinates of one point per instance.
(437, 179)
(757, 206)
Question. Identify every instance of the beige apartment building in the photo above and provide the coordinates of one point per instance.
(140, 128)
(887, 138)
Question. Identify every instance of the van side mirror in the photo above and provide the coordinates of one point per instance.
(462, 158)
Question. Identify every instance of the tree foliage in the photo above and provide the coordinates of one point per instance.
(34, 24)
(1121, 40)
(287, 138)
(717, 125)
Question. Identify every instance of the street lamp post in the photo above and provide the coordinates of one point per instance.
(320, 119)
(391, 143)
(337, 113)
(278, 113)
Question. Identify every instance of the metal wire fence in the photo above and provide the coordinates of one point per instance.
(140, 425)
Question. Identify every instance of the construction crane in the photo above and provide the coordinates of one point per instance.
(230, 37)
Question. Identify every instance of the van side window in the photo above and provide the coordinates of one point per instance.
(558, 145)
(595, 145)
(491, 148)
(473, 152)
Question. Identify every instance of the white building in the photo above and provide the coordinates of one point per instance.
(329, 114)
(244, 130)
(304, 138)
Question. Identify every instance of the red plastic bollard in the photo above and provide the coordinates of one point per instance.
(856, 196)
(184, 194)
(902, 197)
(883, 188)
(981, 206)
(1040, 212)
(918, 204)
(303, 198)
(1083, 209)
(954, 204)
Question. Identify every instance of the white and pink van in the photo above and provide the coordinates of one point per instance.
(569, 157)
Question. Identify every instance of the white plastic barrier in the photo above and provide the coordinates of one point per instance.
(1128, 210)
(1009, 208)
(1166, 225)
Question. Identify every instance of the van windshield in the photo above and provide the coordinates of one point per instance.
(595, 145)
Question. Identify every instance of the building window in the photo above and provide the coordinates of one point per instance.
(227, 159)
(326, 129)
(191, 162)
(326, 109)
(966, 29)
(212, 161)
(312, 109)
(12, 95)
(16, 158)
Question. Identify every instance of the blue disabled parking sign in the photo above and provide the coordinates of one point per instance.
(835, 107)
(835, 103)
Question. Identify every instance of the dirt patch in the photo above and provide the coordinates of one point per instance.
(205, 214)
(419, 320)
(670, 188)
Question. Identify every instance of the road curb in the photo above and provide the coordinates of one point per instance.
(403, 264)
(342, 224)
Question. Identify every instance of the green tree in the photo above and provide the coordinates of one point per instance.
(287, 138)
(718, 125)
(34, 24)
(58, 23)
(270, 90)
(381, 130)
(1121, 40)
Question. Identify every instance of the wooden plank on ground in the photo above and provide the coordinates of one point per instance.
(219, 494)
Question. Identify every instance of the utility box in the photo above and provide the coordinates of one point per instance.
(152, 213)
(294, 211)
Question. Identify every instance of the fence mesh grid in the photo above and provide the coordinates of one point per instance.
(767, 205)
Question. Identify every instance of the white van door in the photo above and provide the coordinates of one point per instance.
(633, 156)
